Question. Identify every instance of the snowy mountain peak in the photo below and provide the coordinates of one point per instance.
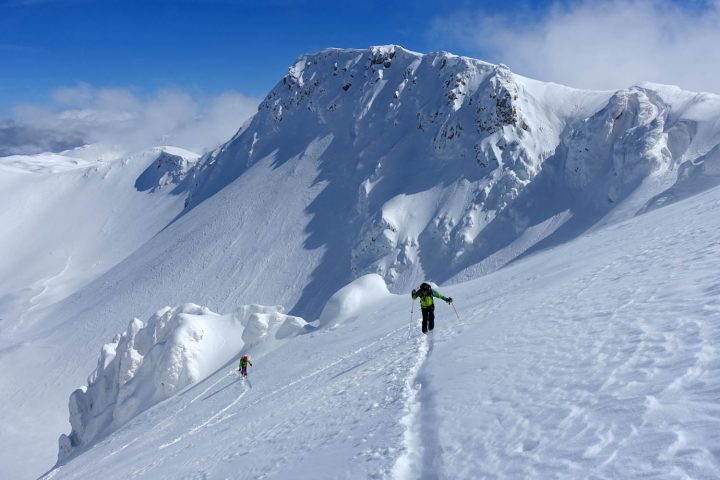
(316, 80)
(445, 154)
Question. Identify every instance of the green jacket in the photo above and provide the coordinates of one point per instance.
(426, 301)
(244, 363)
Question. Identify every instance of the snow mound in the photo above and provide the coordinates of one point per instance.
(267, 325)
(348, 302)
(152, 361)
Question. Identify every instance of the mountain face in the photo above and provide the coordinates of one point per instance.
(444, 167)
(378, 161)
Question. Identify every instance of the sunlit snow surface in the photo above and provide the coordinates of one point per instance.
(413, 167)
(66, 219)
(596, 359)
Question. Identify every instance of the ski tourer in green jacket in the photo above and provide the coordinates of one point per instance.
(426, 294)
(244, 361)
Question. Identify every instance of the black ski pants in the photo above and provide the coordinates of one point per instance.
(428, 314)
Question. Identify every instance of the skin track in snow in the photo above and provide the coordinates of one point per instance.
(421, 457)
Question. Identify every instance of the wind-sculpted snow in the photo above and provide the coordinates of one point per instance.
(152, 361)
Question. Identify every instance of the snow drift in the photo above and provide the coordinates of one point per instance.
(352, 300)
(152, 361)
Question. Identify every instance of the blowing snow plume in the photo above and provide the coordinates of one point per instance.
(152, 361)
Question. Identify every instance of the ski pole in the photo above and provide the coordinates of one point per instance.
(456, 314)
(412, 310)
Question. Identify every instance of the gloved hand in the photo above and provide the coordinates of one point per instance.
(413, 292)
(449, 300)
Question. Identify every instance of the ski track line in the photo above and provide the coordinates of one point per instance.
(278, 390)
(171, 419)
(206, 422)
(411, 463)
(115, 452)
(165, 423)
(206, 390)
(45, 285)
(318, 371)
(50, 474)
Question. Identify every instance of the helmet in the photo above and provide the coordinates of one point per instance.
(245, 357)
(425, 287)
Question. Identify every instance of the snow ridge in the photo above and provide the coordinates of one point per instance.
(152, 361)
(247, 386)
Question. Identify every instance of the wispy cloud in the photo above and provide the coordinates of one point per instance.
(605, 44)
(123, 117)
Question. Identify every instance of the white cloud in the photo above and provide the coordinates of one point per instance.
(122, 117)
(605, 44)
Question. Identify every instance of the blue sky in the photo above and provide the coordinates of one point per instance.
(205, 47)
(213, 59)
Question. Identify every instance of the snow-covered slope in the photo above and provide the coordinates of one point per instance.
(67, 218)
(378, 161)
(70, 217)
(595, 359)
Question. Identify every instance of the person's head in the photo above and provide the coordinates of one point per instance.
(245, 357)
(425, 288)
